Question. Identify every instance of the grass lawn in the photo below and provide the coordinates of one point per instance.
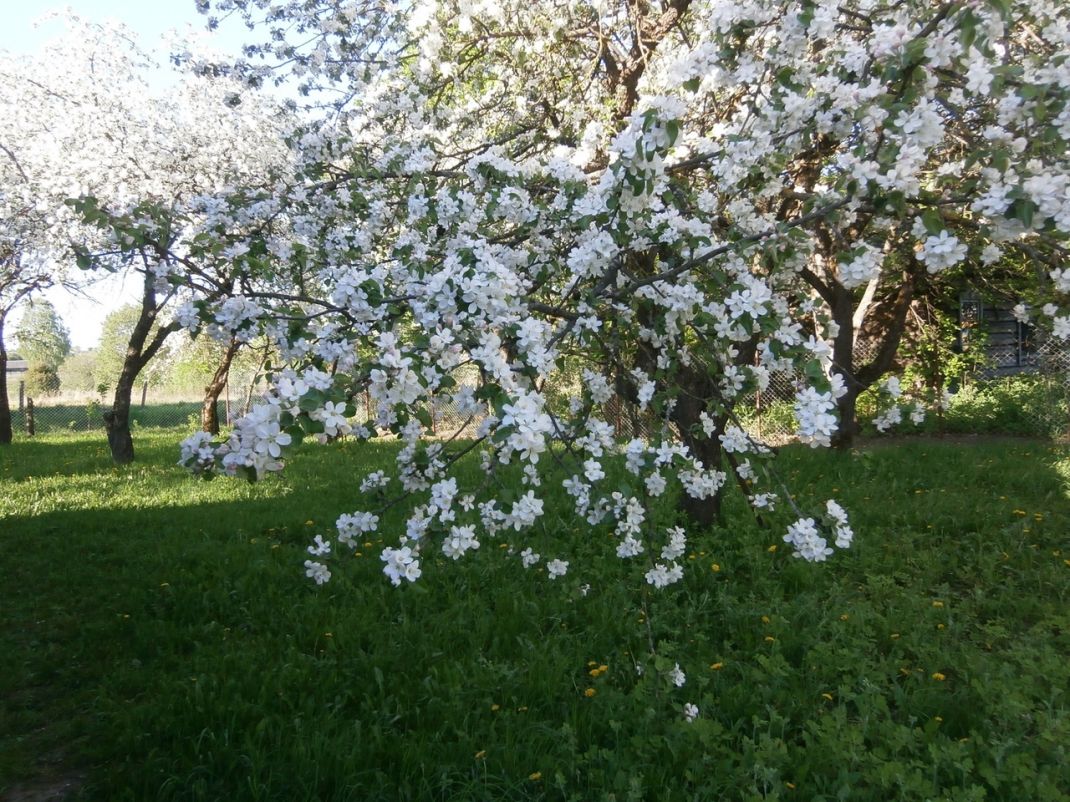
(159, 641)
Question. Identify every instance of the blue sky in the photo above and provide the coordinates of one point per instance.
(149, 19)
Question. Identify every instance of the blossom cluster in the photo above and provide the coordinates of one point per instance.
(662, 239)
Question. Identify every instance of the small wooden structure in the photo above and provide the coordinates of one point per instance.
(1011, 345)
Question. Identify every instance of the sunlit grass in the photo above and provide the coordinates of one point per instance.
(159, 634)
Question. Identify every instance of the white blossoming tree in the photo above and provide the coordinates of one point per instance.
(680, 197)
(87, 123)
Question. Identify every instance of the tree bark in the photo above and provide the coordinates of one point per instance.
(209, 413)
(140, 349)
(5, 407)
(696, 389)
(857, 379)
(843, 364)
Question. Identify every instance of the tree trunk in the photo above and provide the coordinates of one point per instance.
(847, 409)
(843, 364)
(209, 413)
(117, 419)
(5, 408)
(696, 389)
(140, 349)
(889, 318)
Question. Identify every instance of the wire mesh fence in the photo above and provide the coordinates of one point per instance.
(150, 408)
(766, 415)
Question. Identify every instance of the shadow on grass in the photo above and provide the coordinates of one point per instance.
(171, 643)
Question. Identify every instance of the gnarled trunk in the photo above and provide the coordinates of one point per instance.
(890, 321)
(117, 422)
(140, 349)
(209, 413)
(696, 390)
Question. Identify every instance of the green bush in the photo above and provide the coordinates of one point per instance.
(1033, 405)
(42, 381)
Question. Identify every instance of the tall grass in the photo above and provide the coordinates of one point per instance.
(159, 641)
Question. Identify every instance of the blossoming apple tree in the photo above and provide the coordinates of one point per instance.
(675, 199)
(86, 122)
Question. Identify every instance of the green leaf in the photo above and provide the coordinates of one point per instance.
(1023, 209)
(672, 128)
(423, 416)
(932, 220)
(312, 400)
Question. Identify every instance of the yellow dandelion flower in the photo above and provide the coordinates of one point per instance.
(535, 776)
(765, 619)
(941, 626)
(495, 708)
(716, 666)
(938, 604)
(827, 696)
(772, 548)
(715, 568)
(938, 676)
(590, 692)
(895, 636)
(769, 638)
(482, 753)
(844, 617)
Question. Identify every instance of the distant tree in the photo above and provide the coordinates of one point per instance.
(77, 373)
(85, 122)
(42, 380)
(41, 337)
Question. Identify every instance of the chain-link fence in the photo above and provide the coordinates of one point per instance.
(150, 408)
(767, 416)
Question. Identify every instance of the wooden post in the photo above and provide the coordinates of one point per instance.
(227, 389)
(30, 428)
(144, 393)
(22, 395)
